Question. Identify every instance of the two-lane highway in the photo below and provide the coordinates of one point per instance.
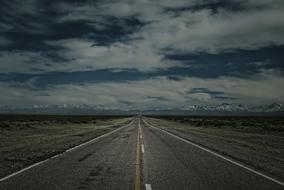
(139, 156)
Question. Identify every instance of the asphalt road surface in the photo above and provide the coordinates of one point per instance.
(138, 156)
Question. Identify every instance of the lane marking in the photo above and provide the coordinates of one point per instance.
(148, 186)
(218, 155)
(142, 148)
(60, 154)
(97, 138)
(22, 170)
(137, 171)
(56, 156)
(139, 126)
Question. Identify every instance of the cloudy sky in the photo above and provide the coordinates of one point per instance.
(141, 53)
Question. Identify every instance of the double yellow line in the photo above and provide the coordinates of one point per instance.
(138, 161)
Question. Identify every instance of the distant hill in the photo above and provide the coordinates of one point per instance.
(82, 109)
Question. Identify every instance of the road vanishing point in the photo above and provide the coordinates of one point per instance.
(135, 157)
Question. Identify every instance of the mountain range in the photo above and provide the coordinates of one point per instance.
(80, 109)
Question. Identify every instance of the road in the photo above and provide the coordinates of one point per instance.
(137, 156)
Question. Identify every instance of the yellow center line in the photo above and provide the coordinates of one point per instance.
(137, 174)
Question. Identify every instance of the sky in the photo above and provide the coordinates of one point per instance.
(141, 54)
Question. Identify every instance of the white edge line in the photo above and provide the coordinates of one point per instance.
(97, 138)
(148, 186)
(219, 155)
(22, 170)
(55, 156)
(142, 148)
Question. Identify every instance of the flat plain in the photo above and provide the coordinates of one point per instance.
(141, 153)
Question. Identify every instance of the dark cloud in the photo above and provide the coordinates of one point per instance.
(215, 94)
(185, 45)
(157, 98)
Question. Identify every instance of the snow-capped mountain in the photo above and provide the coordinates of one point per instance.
(101, 109)
(225, 107)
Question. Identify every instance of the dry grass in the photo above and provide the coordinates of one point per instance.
(25, 140)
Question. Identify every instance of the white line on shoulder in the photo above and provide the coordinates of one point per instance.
(218, 155)
(41, 162)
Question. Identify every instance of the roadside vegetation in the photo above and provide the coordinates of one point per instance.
(26, 139)
(255, 141)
